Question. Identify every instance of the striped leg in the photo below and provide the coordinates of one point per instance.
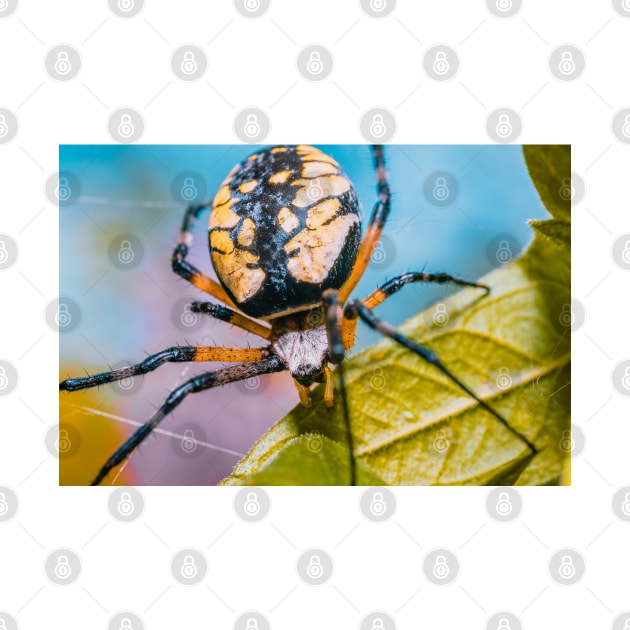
(196, 384)
(231, 317)
(375, 228)
(394, 285)
(183, 268)
(334, 318)
(178, 354)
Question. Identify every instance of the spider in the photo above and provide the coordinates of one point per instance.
(285, 242)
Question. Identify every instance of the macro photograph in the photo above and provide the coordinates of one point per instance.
(314, 314)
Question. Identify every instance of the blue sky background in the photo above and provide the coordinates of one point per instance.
(126, 314)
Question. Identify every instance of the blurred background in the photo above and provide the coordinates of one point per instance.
(455, 209)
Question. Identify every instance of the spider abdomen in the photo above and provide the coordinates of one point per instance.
(285, 225)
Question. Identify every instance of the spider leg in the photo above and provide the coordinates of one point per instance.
(230, 316)
(183, 268)
(177, 354)
(197, 384)
(393, 286)
(375, 227)
(356, 308)
(334, 319)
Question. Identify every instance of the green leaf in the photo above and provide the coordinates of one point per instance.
(282, 462)
(549, 167)
(412, 425)
(557, 231)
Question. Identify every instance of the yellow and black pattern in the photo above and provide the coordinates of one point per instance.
(285, 225)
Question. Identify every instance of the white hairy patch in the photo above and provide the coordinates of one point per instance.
(304, 351)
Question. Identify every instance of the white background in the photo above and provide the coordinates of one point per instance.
(252, 63)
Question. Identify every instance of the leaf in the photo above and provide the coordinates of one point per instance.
(412, 425)
(282, 463)
(557, 231)
(549, 166)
